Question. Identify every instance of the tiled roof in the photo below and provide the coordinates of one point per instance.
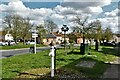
(50, 36)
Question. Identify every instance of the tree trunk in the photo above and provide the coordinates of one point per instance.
(23, 40)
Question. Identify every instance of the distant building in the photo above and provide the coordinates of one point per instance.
(8, 37)
(57, 38)
(5, 37)
(116, 38)
(49, 38)
(2, 36)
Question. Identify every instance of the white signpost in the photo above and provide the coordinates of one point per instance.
(52, 54)
(34, 35)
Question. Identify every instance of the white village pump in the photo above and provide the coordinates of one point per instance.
(52, 54)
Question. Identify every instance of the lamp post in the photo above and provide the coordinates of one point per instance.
(64, 29)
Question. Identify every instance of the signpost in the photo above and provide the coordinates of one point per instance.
(34, 35)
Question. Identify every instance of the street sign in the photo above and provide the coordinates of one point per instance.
(34, 35)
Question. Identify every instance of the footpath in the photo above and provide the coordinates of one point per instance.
(113, 71)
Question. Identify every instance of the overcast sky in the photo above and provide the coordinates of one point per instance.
(63, 11)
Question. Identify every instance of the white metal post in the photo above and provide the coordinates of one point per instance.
(52, 60)
(35, 46)
(52, 66)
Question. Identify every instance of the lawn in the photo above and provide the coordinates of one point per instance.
(18, 46)
(40, 63)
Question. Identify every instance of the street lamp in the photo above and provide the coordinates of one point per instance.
(64, 29)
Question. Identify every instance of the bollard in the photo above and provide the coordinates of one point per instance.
(52, 54)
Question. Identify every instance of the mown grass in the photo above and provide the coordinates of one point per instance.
(18, 46)
(20, 63)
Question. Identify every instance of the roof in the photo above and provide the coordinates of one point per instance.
(50, 36)
(60, 35)
(57, 34)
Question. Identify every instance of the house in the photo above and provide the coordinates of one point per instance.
(79, 40)
(116, 38)
(5, 37)
(49, 38)
(60, 37)
(57, 38)
(8, 37)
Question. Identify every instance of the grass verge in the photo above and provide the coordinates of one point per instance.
(12, 66)
(18, 46)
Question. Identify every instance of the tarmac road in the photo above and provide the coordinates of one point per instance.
(13, 52)
(9, 53)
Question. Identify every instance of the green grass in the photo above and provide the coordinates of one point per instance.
(27, 62)
(18, 46)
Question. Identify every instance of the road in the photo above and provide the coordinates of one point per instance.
(9, 53)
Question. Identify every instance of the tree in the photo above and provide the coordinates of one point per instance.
(98, 30)
(82, 26)
(7, 22)
(50, 25)
(72, 37)
(25, 27)
(12, 23)
(108, 34)
(41, 31)
(17, 26)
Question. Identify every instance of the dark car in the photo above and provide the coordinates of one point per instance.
(109, 44)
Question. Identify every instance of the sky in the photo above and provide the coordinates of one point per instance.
(63, 11)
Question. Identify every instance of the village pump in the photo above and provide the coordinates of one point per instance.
(52, 55)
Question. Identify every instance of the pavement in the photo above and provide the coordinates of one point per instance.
(113, 71)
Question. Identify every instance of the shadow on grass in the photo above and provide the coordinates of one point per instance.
(111, 51)
(70, 71)
(73, 52)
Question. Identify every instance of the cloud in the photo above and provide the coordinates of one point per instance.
(112, 13)
(85, 3)
(64, 13)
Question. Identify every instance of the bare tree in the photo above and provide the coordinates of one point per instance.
(25, 29)
(50, 25)
(81, 26)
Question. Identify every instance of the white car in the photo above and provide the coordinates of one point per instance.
(12, 43)
(30, 42)
(3, 43)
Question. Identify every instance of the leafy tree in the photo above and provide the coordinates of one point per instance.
(41, 31)
(17, 26)
(12, 23)
(98, 30)
(108, 34)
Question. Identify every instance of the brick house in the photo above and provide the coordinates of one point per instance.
(57, 38)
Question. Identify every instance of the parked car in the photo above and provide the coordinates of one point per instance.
(3, 43)
(12, 43)
(67, 44)
(30, 42)
(109, 44)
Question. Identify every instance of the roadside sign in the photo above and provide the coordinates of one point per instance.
(34, 35)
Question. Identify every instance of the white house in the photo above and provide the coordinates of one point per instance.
(8, 37)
